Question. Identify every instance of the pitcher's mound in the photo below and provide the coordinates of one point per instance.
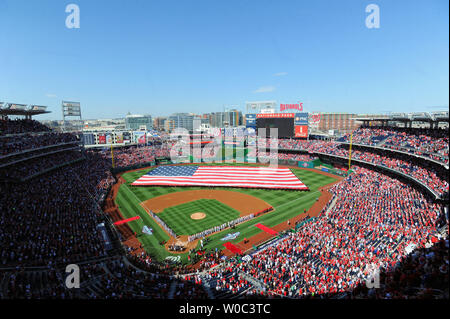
(198, 216)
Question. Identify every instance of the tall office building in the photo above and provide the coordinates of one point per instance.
(158, 122)
(184, 120)
(232, 118)
(169, 125)
(217, 119)
(138, 122)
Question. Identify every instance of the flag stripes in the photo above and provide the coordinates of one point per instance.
(228, 176)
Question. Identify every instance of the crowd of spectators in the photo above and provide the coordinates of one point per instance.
(431, 143)
(226, 279)
(19, 143)
(123, 281)
(111, 278)
(18, 126)
(21, 170)
(134, 155)
(429, 176)
(374, 220)
(423, 274)
(53, 219)
(287, 156)
(367, 135)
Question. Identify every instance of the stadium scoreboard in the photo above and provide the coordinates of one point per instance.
(71, 108)
(288, 124)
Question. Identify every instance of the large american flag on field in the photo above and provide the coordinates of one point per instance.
(229, 176)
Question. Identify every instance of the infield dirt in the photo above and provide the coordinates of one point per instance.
(245, 204)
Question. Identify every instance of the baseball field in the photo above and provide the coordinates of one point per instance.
(189, 210)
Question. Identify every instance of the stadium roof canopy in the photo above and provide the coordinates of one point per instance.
(433, 117)
(22, 109)
(400, 117)
(421, 116)
(440, 116)
(372, 118)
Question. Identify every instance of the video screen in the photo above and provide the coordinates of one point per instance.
(285, 126)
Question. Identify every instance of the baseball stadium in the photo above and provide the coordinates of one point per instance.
(275, 198)
(224, 226)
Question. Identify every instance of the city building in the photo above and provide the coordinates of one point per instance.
(184, 120)
(231, 118)
(169, 125)
(138, 122)
(234, 118)
(337, 123)
(159, 122)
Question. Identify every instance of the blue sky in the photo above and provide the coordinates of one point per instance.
(160, 57)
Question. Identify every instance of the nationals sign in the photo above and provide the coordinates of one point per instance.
(274, 115)
(297, 106)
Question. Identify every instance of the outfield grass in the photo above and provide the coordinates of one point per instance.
(178, 218)
(286, 203)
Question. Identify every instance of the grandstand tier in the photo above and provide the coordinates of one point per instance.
(57, 207)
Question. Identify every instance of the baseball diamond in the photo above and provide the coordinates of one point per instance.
(287, 204)
(198, 150)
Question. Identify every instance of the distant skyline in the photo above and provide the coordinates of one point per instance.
(163, 57)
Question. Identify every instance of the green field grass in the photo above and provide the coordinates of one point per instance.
(178, 218)
(286, 203)
(225, 153)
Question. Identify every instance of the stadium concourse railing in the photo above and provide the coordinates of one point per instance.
(74, 148)
(32, 150)
(256, 247)
(344, 160)
(39, 151)
(52, 169)
(426, 161)
(387, 149)
(26, 133)
(121, 169)
(415, 181)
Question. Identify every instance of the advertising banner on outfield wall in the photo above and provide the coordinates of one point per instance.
(250, 120)
(108, 138)
(140, 137)
(126, 137)
(88, 139)
(301, 119)
(314, 120)
(301, 131)
(250, 131)
(101, 139)
(119, 137)
(305, 164)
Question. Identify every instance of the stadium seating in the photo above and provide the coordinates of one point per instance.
(21, 126)
(431, 143)
(374, 219)
(428, 175)
(51, 220)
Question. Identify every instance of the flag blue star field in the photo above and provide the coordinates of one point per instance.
(228, 176)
